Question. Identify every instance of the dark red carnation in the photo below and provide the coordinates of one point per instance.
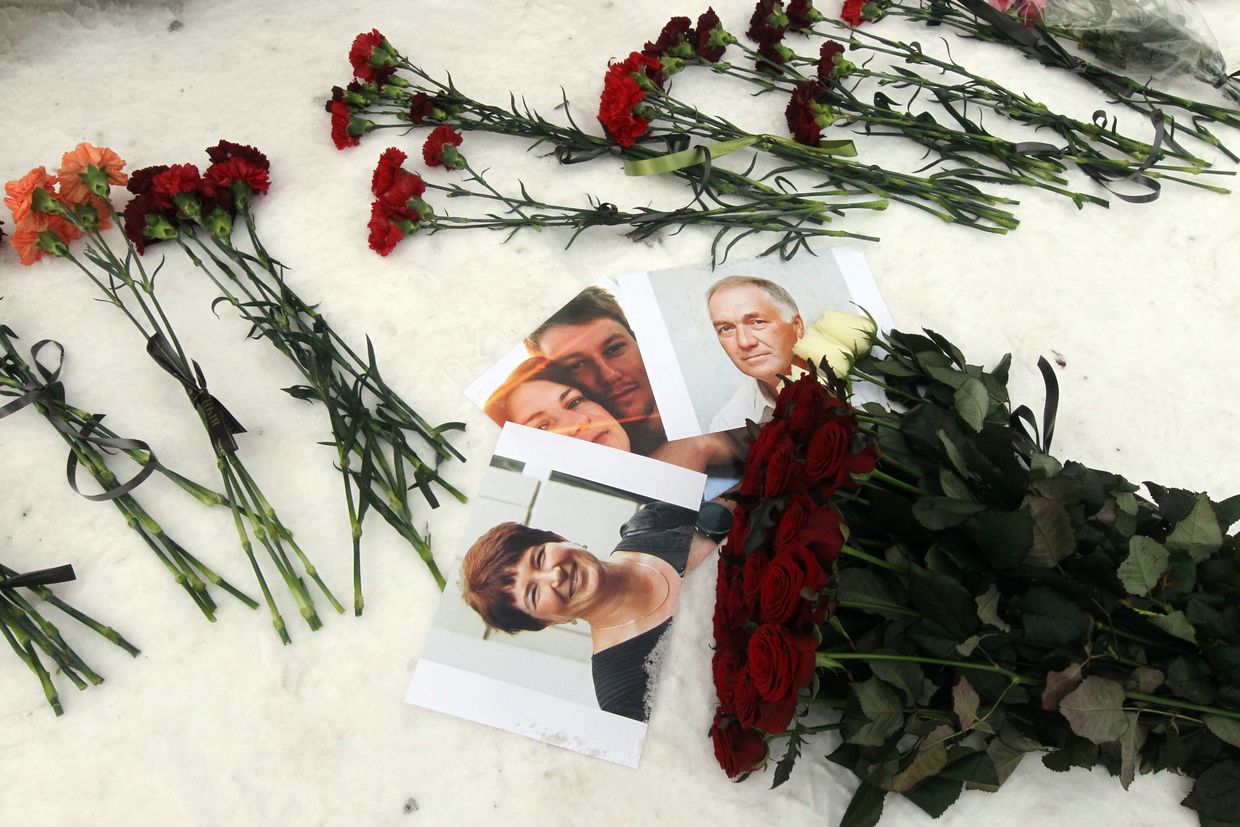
(420, 107)
(341, 114)
(801, 117)
(773, 56)
(433, 150)
(739, 752)
(140, 179)
(768, 21)
(371, 56)
(802, 15)
(780, 662)
(387, 170)
(827, 70)
(136, 212)
(707, 23)
(851, 12)
(227, 150)
(224, 174)
(678, 30)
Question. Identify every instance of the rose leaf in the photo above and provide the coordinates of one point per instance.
(1143, 567)
(1095, 710)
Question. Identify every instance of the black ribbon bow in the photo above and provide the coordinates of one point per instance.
(221, 425)
(1026, 442)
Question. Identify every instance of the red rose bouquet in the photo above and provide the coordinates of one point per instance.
(933, 588)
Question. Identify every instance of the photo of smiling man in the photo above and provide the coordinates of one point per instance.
(757, 324)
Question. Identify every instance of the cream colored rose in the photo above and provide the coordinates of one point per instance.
(839, 337)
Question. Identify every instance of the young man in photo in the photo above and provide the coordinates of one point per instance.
(757, 322)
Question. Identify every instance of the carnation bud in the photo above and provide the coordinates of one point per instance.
(159, 228)
(96, 179)
(87, 217)
(360, 126)
(219, 223)
(188, 203)
(43, 201)
(49, 242)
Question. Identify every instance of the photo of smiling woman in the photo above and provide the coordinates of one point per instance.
(520, 578)
(545, 395)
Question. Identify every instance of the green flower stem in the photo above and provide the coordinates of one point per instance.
(805, 730)
(877, 606)
(277, 620)
(831, 659)
(886, 478)
(47, 596)
(871, 559)
(1177, 704)
(25, 650)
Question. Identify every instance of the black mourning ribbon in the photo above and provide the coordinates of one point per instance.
(221, 425)
(1026, 442)
(40, 577)
(51, 390)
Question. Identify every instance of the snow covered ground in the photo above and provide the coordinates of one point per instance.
(219, 723)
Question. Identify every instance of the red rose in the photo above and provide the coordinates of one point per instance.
(341, 136)
(788, 529)
(745, 698)
(814, 574)
(737, 751)
(226, 173)
(724, 666)
(824, 459)
(738, 534)
(826, 61)
(780, 662)
(227, 150)
(823, 536)
(780, 468)
(751, 580)
(780, 593)
(759, 454)
(851, 13)
(801, 117)
(707, 24)
(387, 170)
(774, 716)
(863, 462)
(420, 107)
(731, 610)
(433, 150)
(677, 31)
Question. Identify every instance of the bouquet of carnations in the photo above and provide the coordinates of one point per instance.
(928, 582)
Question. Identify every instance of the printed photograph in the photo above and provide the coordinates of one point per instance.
(569, 577)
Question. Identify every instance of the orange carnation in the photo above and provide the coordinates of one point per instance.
(25, 238)
(18, 193)
(75, 163)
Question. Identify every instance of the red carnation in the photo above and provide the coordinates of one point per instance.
(851, 12)
(404, 186)
(227, 150)
(433, 151)
(385, 233)
(179, 179)
(677, 31)
(621, 94)
(801, 117)
(738, 752)
(712, 38)
(136, 212)
(420, 108)
(226, 173)
(827, 70)
(780, 662)
(372, 56)
(387, 170)
(341, 114)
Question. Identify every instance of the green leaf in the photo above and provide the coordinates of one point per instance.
(944, 601)
(1053, 537)
(1216, 794)
(988, 609)
(1228, 511)
(1226, 729)
(953, 486)
(1005, 759)
(1004, 537)
(865, 808)
(935, 795)
(1144, 566)
(1077, 752)
(1176, 624)
(1130, 750)
(965, 703)
(1049, 617)
(1191, 679)
(1199, 533)
(903, 675)
(928, 760)
(948, 376)
(864, 586)
(937, 513)
(972, 403)
(1145, 679)
(882, 708)
(1095, 710)
(1044, 466)
(784, 768)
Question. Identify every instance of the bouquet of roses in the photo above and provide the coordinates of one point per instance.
(930, 583)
